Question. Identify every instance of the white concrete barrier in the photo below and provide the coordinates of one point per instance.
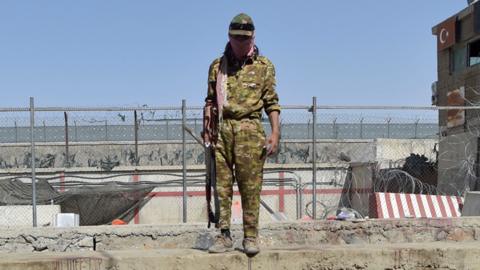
(22, 215)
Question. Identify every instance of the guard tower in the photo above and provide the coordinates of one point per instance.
(458, 48)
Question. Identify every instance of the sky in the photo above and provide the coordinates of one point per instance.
(156, 53)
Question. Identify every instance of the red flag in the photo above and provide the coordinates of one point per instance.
(446, 34)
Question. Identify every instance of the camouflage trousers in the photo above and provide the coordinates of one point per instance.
(240, 156)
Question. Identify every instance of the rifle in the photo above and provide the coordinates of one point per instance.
(211, 182)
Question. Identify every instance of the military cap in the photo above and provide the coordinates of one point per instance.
(242, 24)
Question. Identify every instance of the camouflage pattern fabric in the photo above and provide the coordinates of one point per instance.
(240, 153)
(242, 24)
(242, 18)
(240, 156)
(250, 87)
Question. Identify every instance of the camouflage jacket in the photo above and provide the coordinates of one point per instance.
(250, 87)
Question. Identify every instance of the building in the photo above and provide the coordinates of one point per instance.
(458, 47)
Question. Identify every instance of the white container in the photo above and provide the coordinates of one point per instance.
(63, 220)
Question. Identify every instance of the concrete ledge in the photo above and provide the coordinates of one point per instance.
(293, 235)
(391, 256)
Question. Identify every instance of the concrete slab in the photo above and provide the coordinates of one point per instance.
(438, 255)
(471, 205)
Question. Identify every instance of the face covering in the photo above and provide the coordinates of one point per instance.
(242, 49)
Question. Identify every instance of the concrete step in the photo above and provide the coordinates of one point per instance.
(436, 255)
(292, 234)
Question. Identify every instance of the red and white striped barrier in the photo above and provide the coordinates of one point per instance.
(401, 205)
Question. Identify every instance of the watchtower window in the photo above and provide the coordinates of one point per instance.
(459, 59)
(474, 53)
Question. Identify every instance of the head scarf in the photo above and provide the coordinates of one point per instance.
(242, 49)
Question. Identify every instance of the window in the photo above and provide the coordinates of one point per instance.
(474, 53)
(459, 59)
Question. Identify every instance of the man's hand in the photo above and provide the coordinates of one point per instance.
(272, 143)
(273, 139)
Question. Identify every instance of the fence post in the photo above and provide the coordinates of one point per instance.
(166, 126)
(388, 126)
(184, 160)
(32, 140)
(416, 128)
(67, 150)
(335, 133)
(361, 128)
(314, 158)
(299, 192)
(44, 132)
(136, 136)
(75, 130)
(106, 130)
(16, 132)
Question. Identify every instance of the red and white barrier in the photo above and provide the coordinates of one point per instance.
(401, 205)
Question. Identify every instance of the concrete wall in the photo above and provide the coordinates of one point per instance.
(392, 152)
(168, 153)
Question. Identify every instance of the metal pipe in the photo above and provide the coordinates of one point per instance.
(298, 201)
(32, 140)
(292, 107)
(300, 197)
(136, 136)
(314, 158)
(67, 150)
(184, 160)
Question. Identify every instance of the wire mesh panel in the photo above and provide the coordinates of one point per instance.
(15, 191)
(295, 123)
(373, 124)
(14, 127)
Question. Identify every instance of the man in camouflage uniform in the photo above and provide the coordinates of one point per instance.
(240, 84)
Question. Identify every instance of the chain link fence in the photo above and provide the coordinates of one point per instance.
(139, 164)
